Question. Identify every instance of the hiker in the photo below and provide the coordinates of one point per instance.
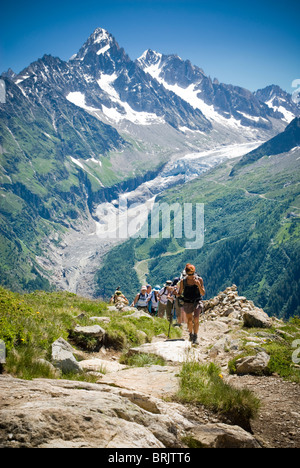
(163, 298)
(191, 290)
(149, 292)
(141, 300)
(153, 300)
(176, 304)
(171, 303)
(118, 299)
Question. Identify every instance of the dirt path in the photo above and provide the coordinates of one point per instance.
(278, 423)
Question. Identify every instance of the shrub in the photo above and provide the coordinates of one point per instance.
(204, 385)
(141, 360)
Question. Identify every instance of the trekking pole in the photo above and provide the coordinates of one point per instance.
(171, 319)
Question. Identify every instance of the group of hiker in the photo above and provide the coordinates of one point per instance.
(181, 297)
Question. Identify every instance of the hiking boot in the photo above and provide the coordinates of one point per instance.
(192, 337)
(195, 339)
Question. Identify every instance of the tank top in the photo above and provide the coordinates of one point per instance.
(191, 293)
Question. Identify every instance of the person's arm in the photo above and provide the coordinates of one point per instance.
(199, 283)
(135, 300)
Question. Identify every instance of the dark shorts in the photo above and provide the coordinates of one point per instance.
(191, 308)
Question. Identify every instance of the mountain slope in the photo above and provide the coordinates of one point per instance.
(281, 143)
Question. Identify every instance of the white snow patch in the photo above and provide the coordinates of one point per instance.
(94, 161)
(78, 99)
(103, 50)
(288, 116)
(112, 113)
(78, 163)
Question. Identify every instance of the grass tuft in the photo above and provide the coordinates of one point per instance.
(204, 385)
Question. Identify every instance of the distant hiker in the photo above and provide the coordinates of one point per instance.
(141, 300)
(149, 291)
(118, 299)
(191, 290)
(163, 298)
(176, 304)
(153, 300)
(171, 303)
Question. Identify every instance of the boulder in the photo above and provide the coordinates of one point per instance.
(256, 318)
(101, 365)
(157, 381)
(70, 414)
(222, 436)
(62, 356)
(92, 331)
(172, 351)
(100, 319)
(224, 344)
(257, 365)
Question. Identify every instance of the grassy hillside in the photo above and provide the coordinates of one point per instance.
(30, 323)
(252, 234)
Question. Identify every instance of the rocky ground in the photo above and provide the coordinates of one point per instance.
(133, 407)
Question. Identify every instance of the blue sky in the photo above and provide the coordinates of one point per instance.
(246, 43)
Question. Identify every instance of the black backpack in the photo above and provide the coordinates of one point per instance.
(190, 294)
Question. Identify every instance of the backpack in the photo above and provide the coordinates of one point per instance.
(142, 300)
(190, 294)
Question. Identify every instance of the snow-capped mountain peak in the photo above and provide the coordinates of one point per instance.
(99, 42)
(149, 58)
(100, 35)
(280, 101)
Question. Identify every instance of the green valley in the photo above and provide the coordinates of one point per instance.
(252, 235)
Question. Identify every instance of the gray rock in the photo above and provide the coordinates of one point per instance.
(62, 356)
(100, 319)
(257, 318)
(223, 436)
(172, 351)
(138, 314)
(253, 364)
(69, 414)
(224, 344)
(101, 365)
(94, 331)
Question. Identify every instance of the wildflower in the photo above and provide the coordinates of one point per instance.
(221, 376)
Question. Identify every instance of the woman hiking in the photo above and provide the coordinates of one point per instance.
(191, 290)
(141, 300)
